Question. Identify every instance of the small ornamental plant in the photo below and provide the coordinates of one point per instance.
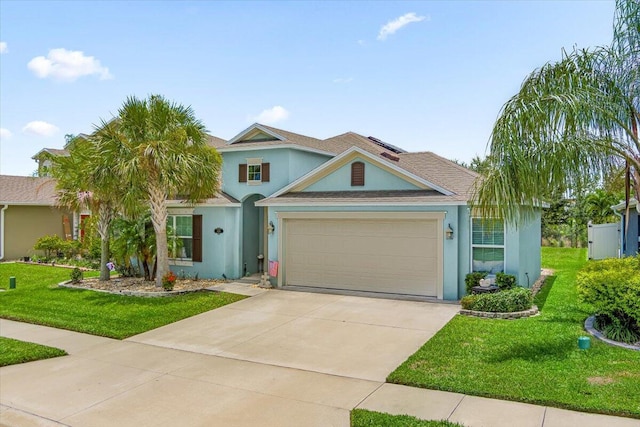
(76, 275)
(168, 281)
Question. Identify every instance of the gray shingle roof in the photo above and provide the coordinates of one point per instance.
(27, 190)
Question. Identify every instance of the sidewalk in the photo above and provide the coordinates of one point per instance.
(111, 382)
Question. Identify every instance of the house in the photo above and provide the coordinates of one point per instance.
(346, 213)
(629, 228)
(28, 212)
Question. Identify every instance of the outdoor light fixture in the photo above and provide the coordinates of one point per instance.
(449, 232)
(271, 228)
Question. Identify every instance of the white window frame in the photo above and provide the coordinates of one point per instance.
(171, 221)
(472, 245)
(254, 163)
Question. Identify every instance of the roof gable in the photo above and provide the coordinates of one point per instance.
(256, 133)
(376, 178)
(349, 156)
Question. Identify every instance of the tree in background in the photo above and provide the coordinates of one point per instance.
(158, 151)
(574, 118)
(84, 181)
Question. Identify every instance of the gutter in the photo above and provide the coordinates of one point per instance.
(2, 231)
(622, 242)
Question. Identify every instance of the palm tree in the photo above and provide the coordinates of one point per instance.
(598, 206)
(574, 118)
(83, 181)
(159, 151)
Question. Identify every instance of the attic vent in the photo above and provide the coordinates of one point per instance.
(383, 144)
(390, 156)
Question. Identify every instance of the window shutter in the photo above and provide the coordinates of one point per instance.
(196, 254)
(357, 174)
(265, 172)
(242, 172)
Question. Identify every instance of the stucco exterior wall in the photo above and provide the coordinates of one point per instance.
(286, 165)
(375, 179)
(24, 225)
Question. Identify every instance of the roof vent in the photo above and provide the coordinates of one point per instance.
(390, 156)
(385, 145)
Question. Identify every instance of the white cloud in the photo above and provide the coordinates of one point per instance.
(392, 26)
(272, 115)
(40, 128)
(343, 80)
(5, 134)
(362, 42)
(3, 47)
(67, 65)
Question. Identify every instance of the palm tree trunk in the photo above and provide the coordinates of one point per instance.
(104, 220)
(157, 202)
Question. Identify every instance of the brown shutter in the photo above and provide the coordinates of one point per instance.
(265, 172)
(242, 173)
(196, 255)
(357, 174)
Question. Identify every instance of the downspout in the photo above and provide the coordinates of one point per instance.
(2, 231)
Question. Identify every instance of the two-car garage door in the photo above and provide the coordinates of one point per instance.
(386, 255)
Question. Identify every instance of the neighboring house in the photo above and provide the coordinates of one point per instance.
(629, 229)
(346, 213)
(28, 212)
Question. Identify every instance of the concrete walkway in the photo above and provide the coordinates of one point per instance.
(276, 359)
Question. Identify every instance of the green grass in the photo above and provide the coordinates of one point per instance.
(38, 300)
(14, 352)
(533, 360)
(364, 418)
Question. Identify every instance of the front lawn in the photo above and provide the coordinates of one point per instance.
(37, 299)
(14, 352)
(364, 418)
(533, 360)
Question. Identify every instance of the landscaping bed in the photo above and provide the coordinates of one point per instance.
(534, 360)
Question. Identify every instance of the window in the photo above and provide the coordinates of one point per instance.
(487, 245)
(357, 174)
(253, 172)
(185, 237)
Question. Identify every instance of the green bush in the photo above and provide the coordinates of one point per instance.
(473, 279)
(51, 245)
(612, 287)
(516, 299)
(76, 275)
(505, 281)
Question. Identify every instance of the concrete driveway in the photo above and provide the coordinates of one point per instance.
(353, 337)
(277, 359)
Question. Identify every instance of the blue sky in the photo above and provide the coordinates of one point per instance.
(425, 76)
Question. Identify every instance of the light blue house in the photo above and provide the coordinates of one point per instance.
(346, 213)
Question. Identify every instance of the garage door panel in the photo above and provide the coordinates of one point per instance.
(394, 256)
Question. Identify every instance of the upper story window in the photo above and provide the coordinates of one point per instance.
(487, 245)
(253, 172)
(357, 174)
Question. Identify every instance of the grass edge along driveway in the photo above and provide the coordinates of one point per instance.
(534, 360)
(38, 300)
(15, 352)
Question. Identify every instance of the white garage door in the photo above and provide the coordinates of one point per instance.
(374, 255)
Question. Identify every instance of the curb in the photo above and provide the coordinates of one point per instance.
(588, 326)
(533, 311)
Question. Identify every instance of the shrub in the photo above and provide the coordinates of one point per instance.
(516, 299)
(612, 287)
(76, 275)
(168, 280)
(473, 279)
(505, 281)
(51, 245)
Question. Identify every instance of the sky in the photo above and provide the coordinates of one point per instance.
(424, 76)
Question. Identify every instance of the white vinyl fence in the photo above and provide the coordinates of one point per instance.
(604, 240)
